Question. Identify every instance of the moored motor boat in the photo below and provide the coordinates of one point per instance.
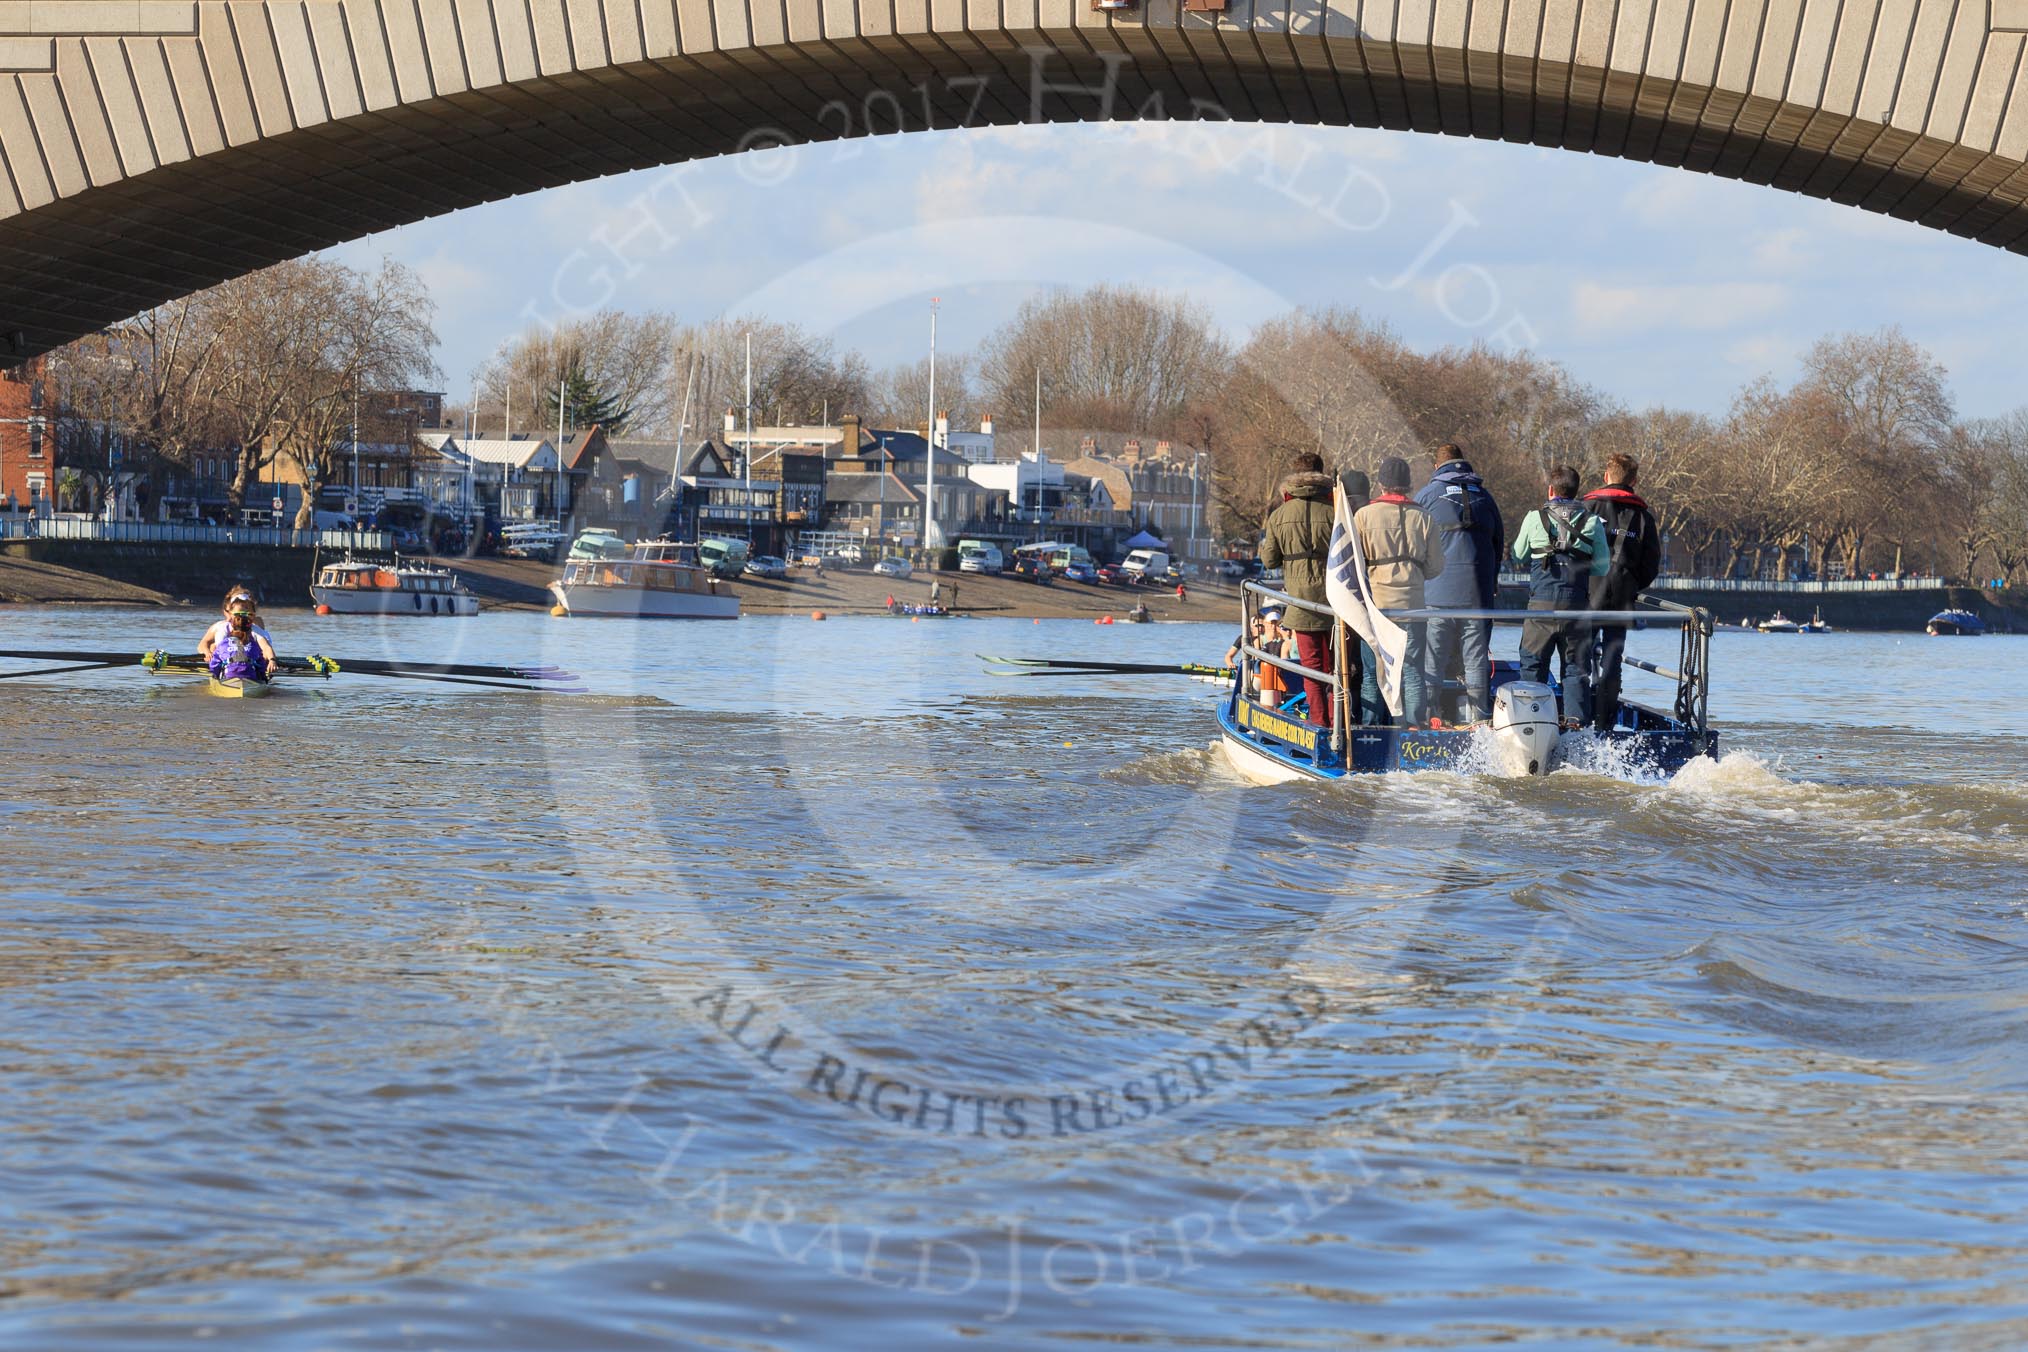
(1957, 623)
(1816, 624)
(1779, 623)
(1270, 744)
(397, 586)
(658, 580)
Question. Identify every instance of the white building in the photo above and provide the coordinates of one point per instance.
(1030, 483)
(521, 480)
(976, 447)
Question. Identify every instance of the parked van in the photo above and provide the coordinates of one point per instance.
(976, 556)
(725, 558)
(1146, 564)
(1066, 555)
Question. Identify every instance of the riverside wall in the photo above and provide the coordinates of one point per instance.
(196, 573)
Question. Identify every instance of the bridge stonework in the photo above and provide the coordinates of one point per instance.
(152, 147)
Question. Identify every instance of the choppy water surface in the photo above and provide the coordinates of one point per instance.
(804, 985)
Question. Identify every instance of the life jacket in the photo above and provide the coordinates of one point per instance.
(1628, 528)
(1273, 680)
(1403, 506)
(233, 659)
(1560, 568)
(1461, 492)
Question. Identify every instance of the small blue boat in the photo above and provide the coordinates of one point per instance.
(1276, 744)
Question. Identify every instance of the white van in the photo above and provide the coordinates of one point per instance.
(725, 558)
(1146, 563)
(976, 556)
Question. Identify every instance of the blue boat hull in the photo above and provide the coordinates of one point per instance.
(1277, 746)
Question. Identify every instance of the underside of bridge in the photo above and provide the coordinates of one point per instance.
(135, 175)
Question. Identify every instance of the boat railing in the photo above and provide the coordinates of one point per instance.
(1691, 675)
(1251, 594)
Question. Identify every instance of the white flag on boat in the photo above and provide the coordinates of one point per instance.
(1350, 593)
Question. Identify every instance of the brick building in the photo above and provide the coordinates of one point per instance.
(27, 450)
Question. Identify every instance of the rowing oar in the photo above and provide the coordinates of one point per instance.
(58, 671)
(451, 673)
(496, 685)
(1042, 666)
(97, 659)
(369, 667)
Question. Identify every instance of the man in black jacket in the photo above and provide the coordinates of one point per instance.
(1636, 544)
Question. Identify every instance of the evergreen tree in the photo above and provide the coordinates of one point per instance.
(586, 405)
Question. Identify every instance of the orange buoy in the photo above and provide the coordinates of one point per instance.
(558, 610)
(323, 609)
(1103, 619)
(816, 614)
(915, 619)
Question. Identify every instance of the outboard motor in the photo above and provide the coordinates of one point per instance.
(1526, 728)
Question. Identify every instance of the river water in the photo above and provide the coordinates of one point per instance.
(803, 985)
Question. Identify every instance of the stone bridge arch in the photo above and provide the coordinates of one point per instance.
(149, 148)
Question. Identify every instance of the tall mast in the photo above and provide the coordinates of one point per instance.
(746, 451)
(929, 462)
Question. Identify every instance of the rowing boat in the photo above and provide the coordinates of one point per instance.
(530, 679)
(239, 687)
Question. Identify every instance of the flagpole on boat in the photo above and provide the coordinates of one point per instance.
(1342, 696)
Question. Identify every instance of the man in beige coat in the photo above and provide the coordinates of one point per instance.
(1403, 551)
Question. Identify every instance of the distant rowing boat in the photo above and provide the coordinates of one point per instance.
(533, 679)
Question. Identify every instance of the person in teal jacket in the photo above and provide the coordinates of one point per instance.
(1564, 544)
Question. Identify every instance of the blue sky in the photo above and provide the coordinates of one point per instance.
(1656, 285)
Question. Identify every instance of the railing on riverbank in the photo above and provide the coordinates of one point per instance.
(29, 527)
(1749, 584)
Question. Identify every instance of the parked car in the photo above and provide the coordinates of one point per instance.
(767, 565)
(1081, 572)
(1034, 570)
(1232, 568)
(893, 568)
(1113, 575)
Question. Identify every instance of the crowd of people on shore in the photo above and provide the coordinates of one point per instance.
(1440, 548)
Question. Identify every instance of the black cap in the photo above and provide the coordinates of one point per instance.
(1357, 485)
(1393, 473)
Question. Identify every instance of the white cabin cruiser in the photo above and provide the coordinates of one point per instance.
(355, 586)
(657, 580)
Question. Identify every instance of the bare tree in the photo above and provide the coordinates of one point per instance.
(798, 377)
(1113, 358)
(901, 396)
(378, 339)
(628, 358)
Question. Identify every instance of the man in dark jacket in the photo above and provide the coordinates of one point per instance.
(1298, 540)
(1474, 540)
(1635, 543)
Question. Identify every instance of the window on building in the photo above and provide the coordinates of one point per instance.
(35, 439)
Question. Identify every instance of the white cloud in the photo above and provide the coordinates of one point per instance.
(1763, 354)
(1601, 310)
